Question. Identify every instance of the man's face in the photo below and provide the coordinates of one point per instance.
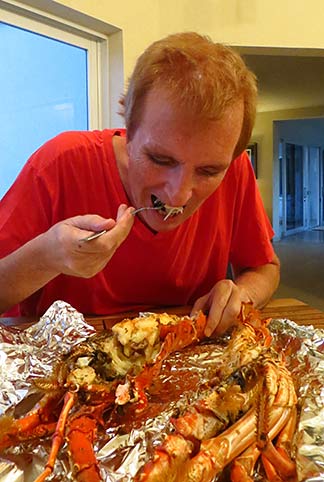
(177, 160)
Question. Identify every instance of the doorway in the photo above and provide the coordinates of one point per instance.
(300, 187)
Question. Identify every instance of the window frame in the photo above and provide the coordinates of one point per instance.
(97, 46)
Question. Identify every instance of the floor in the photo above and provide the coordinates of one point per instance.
(302, 267)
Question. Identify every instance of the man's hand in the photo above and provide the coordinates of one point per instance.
(66, 254)
(223, 305)
(60, 251)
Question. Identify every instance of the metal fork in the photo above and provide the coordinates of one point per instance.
(100, 233)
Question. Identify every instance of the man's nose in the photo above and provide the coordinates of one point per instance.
(179, 188)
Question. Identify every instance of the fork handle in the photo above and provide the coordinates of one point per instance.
(94, 236)
(145, 208)
(100, 233)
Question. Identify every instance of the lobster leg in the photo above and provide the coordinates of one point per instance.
(81, 432)
(58, 436)
(271, 473)
(81, 435)
(168, 461)
(284, 441)
(243, 466)
(41, 431)
(217, 452)
(284, 466)
(277, 459)
(37, 423)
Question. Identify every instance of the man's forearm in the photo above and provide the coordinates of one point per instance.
(260, 283)
(22, 273)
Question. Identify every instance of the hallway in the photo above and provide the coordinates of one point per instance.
(302, 267)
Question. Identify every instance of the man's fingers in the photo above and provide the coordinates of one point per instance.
(214, 319)
(121, 230)
(214, 312)
(229, 314)
(222, 304)
(122, 210)
(200, 304)
(91, 222)
(218, 299)
(117, 231)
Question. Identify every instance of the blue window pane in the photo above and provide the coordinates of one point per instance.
(43, 86)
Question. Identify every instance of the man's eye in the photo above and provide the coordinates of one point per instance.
(155, 159)
(209, 172)
(159, 160)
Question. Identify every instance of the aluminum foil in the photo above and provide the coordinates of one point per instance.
(130, 438)
(304, 347)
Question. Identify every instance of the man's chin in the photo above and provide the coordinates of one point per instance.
(157, 223)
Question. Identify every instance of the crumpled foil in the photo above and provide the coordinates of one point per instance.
(130, 438)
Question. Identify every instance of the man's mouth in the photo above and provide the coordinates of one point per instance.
(169, 211)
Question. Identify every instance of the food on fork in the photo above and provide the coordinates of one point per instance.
(170, 211)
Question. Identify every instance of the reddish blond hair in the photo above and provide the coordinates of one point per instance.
(202, 76)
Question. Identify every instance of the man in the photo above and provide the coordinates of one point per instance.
(189, 111)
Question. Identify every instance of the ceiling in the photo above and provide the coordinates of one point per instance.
(288, 82)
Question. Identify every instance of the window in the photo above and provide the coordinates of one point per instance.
(49, 84)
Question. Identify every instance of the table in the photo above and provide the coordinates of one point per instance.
(289, 308)
(295, 310)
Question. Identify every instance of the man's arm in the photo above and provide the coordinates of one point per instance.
(260, 283)
(22, 273)
(59, 251)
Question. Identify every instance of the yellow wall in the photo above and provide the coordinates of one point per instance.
(276, 23)
(138, 19)
(247, 23)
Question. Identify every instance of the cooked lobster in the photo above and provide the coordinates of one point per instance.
(109, 369)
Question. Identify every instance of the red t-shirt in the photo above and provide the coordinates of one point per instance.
(76, 173)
